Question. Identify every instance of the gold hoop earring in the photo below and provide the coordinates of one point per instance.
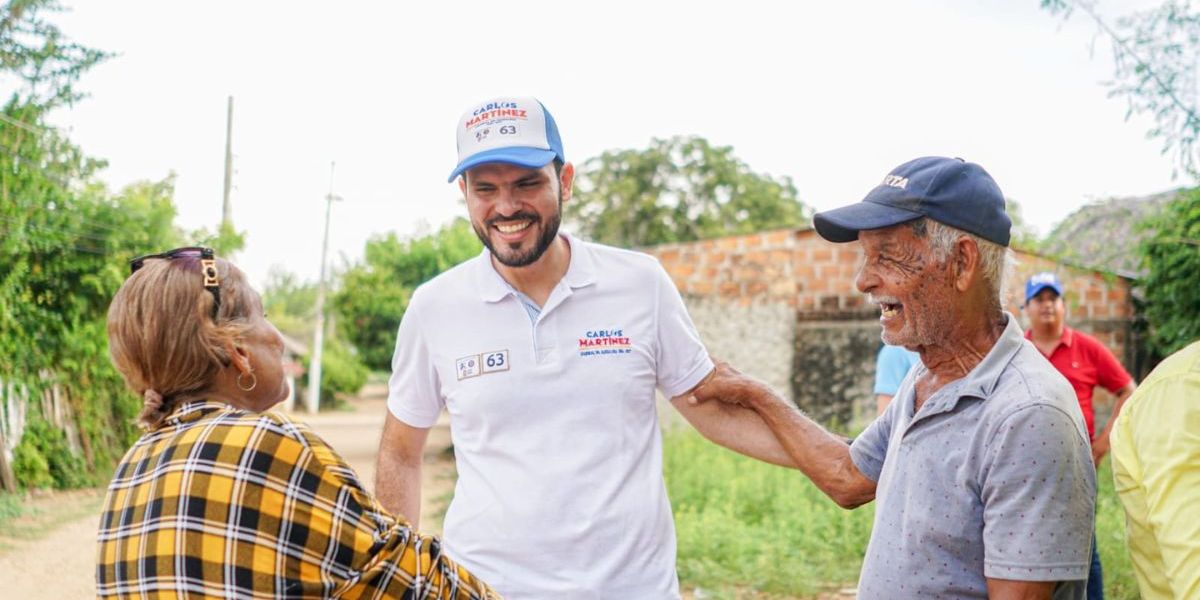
(253, 381)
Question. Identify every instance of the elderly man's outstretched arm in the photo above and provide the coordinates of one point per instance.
(822, 456)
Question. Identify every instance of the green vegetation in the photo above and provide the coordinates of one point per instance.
(65, 242)
(1171, 257)
(63, 245)
(677, 190)
(30, 518)
(342, 372)
(744, 526)
(291, 305)
(1155, 53)
(1119, 581)
(43, 458)
(375, 294)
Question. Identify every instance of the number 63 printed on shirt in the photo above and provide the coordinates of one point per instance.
(481, 364)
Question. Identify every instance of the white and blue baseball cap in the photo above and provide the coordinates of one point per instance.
(518, 131)
(1042, 281)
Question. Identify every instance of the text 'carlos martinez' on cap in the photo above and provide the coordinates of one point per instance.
(512, 130)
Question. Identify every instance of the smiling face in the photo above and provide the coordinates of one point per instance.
(914, 290)
(514, 210)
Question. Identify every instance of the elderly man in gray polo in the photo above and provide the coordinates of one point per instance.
(980, 467)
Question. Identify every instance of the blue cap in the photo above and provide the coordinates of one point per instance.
(950, 191)
(517, 131)
(1041, 281)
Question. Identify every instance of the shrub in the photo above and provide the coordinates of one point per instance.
(43, 458)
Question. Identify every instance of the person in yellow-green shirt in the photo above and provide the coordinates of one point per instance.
(1155, 447)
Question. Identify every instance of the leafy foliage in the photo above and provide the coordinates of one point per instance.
(374, 295)
(35, 52)
(1172, 284)
(291, 306)
(342, 372)
(1155, 53)
(64, 250)
(43, 458)
(680, 189)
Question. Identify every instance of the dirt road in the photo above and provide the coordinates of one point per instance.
(61, 564)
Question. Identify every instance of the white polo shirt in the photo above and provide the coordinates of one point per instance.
(560, 491)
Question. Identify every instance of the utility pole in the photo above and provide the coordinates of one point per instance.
(314, 366)
(227, 209)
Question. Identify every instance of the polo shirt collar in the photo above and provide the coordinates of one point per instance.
(1067, 339)
(981, 381)
(581, 271)
(1068, 336)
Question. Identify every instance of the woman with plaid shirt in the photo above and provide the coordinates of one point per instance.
(219, 498)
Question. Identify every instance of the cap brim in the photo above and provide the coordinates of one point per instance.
(530, 158)
(843, 224)
(1029, 295)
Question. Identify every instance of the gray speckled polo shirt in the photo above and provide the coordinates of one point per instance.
(993, 477)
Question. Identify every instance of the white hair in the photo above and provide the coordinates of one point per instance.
(995, 261)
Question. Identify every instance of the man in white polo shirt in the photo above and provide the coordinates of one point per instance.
(547, 351)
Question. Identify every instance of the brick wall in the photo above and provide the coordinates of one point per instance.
(782, 305)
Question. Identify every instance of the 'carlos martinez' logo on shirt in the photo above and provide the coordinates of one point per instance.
(598, 342)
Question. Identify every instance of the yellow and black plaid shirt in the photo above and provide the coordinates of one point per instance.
(224, 503)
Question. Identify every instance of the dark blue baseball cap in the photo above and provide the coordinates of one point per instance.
(1041, 281)
(950, 191)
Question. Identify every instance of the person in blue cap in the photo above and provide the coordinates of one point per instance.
(1086, 363)
(980, 467)
(547, 352)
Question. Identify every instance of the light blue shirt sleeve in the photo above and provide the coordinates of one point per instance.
(891, 366)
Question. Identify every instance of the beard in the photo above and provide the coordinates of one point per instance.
(513, 256)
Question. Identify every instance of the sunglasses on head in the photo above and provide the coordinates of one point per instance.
(208, 268)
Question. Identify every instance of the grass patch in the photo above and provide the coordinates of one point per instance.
(33, 517)
(10, 507)
(1119, 581)
(749, 528)
(745, 526)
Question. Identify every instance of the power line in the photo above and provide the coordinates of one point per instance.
(53, 229)
(23, 125)
(72, 247)
(55, 178)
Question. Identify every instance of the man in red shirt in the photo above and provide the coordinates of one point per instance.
(1086, 363)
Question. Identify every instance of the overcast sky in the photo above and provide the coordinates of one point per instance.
(831, 94)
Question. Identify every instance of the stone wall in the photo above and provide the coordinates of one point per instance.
(782, 306)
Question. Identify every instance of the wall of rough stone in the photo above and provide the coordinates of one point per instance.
(782, 305)
(756, 338)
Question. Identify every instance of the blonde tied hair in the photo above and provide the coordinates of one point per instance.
(163, 338)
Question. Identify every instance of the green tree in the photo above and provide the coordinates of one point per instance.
(36, 52)
(1171, 286)
(65, 243)
(680, 189)
(291, 305)
(1156, 52)
(374, 295)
